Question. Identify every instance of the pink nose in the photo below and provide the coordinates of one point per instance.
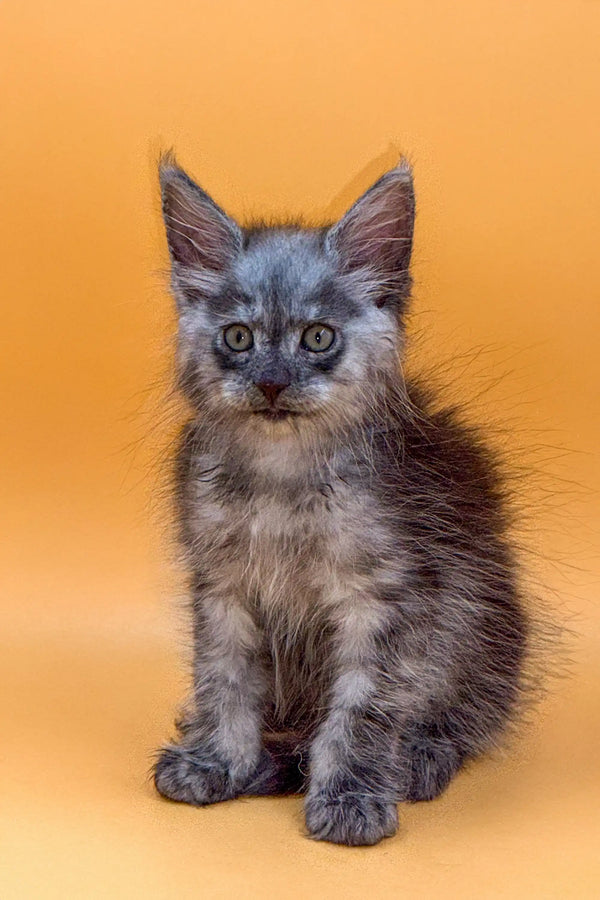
(271, 390)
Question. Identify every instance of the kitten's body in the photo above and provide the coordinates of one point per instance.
(358, 629)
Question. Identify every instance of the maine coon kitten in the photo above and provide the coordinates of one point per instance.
(358, 629)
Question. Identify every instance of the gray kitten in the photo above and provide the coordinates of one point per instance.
(358, 629)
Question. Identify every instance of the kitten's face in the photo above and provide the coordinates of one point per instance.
(288, 329)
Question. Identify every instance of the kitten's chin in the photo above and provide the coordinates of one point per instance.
(276, 415)
(278, 426)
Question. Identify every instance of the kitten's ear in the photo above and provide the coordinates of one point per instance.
(199, 233)
(377, 231)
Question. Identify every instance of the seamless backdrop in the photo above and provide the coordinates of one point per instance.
(279, 108)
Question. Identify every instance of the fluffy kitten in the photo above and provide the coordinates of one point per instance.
(358, 629)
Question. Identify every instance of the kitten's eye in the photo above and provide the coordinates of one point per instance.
(238, 337)
(318, 338)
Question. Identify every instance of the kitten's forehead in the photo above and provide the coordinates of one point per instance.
(282, 266)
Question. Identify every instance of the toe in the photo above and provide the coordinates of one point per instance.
(351, 819)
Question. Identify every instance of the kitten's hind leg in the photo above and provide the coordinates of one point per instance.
(429, 761)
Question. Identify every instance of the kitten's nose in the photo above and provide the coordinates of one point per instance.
(272, 389)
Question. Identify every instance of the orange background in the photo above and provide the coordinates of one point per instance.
(278, 108)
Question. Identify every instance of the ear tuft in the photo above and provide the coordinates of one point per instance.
(377, 231)
(199, 233)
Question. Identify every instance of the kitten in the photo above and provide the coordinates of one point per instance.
(358, 629)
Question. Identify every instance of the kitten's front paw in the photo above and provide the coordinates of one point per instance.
(350, 818)
(190, 776)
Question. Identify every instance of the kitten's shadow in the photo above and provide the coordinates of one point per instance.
(361, 182)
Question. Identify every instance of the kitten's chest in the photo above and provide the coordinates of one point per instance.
(295, 548)
(289, 549)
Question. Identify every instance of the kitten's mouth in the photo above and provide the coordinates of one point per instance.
(275, 415)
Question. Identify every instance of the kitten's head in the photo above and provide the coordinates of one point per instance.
(284, 330)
